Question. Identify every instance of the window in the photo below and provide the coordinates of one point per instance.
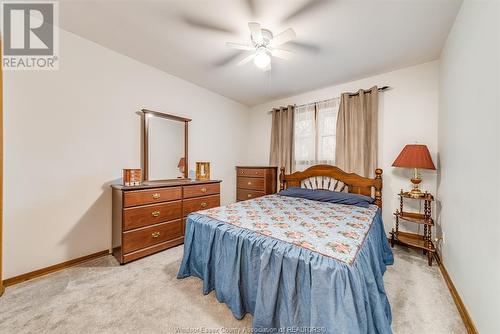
(314, 133)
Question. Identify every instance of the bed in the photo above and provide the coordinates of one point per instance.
(309, 259)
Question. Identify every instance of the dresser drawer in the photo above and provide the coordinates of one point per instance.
(134, 198)
(250, 183)
(201, 190)
(251, 172)
(145, 237)
(244, 194)
(151, 214)
(200, 203)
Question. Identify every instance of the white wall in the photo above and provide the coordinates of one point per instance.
(407, 113)
(69, 133)
(469, 152)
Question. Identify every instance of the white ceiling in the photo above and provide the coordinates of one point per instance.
(344, 39)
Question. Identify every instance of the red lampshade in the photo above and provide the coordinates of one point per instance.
(414, 156)
(182, 163)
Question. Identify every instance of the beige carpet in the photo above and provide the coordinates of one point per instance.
(145, 297)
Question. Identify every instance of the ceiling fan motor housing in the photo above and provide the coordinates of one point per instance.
(267, 37)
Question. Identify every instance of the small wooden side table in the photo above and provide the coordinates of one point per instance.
(424, 241)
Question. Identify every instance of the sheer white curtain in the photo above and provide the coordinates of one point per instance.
(314, 133)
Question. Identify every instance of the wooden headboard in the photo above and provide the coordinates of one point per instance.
(333, 178)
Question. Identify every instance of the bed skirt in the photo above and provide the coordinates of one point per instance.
(286, 287)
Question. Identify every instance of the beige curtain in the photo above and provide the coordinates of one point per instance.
(281, 152)
(357, 132)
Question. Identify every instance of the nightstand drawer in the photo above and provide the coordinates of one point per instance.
(250, 183)
(251, 172)
(244, 194)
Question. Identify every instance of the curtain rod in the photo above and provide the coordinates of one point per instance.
(381, 89)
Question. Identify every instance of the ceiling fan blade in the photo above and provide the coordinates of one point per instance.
(202, 24)
(240, 46)
(246, 59)
(283, 37)
(304, 9)
(283, 54)
(305, 46)
(256, 32)
(228, 59)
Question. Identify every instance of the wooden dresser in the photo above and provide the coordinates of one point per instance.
(255, 181)
(150, 218)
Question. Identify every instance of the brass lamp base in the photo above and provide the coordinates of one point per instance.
(416, 192)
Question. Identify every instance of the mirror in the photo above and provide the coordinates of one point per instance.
(165, 146)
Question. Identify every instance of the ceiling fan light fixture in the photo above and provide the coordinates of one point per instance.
(264, 45)
(262, 58)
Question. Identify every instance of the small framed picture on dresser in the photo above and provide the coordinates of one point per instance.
(202, 170)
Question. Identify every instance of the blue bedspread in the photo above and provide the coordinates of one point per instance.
(284, 285)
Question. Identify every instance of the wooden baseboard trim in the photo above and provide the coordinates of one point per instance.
(52, 269)
(469, 324)
(462, 310)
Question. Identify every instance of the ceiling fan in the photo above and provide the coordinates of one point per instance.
(264, 45)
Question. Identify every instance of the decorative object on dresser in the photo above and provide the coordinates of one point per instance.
(424, 241)
(415, 156)
(182, 167)
(151, 217)
(132, 177)
(202, 170)
(255, 181)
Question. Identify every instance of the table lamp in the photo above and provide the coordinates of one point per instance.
(415, 156)
(182, 165)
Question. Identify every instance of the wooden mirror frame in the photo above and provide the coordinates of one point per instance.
(145, 145)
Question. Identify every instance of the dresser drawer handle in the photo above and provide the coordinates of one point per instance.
(256, 173)
(155, 234)
(249, 195)
(155, 213)
(203, 205)
(203, 190)
(156, 195)
(249, 183)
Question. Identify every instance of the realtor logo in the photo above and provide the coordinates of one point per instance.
(30, 35)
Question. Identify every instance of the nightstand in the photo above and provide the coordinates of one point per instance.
(424, 241)
(255, 181)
